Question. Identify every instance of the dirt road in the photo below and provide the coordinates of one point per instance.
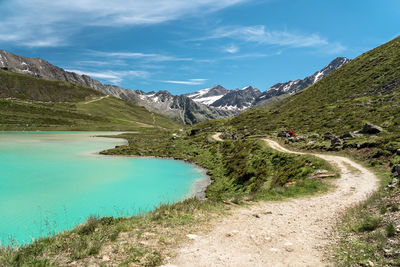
(287, 233)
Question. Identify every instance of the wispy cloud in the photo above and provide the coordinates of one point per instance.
(189, 82)
(259, 34)
(138, 55)
(232, 49)
(27, 23)
(333, 48)
(243, 56)
(113, 76)
(92, 63)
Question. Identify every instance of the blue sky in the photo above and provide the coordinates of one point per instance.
(186, 45)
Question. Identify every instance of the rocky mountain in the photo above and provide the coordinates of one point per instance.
(238, 100)
(208, 96)
(281, 90)
(206, 104)
(179, 108)
(29, 103)
(366, 89)
(232, 101)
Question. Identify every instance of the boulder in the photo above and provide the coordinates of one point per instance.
(283, 134)
(310, 143)
(351, 135)
(336, 141)
(314, 135)
(194, 132)
(371, 129)
(396, 170)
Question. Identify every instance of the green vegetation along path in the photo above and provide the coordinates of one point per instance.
(286, 233)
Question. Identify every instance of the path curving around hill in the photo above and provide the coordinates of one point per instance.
(95, 100)
(294, 232)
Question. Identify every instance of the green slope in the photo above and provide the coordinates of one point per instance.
(28, 103)
(14, 85)
(365, 89)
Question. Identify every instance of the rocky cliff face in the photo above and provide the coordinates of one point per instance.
(209, 95)
(180, 108)
(238, 100)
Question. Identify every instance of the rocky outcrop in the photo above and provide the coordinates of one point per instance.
(371, 129)
(396, 170)
(336, 141)
(350, 135)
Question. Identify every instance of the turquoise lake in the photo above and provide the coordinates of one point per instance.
(52, 181)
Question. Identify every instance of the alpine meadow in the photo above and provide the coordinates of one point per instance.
(201, 133)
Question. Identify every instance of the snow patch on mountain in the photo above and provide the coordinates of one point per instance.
(292, 87)
(207, 100)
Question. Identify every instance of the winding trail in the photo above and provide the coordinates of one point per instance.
(294, 232)
(95, 100)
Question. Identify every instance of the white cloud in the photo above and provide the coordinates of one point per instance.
(113, 76)
(142, 56)
(28, 22)
(242, 56)
(334, 48)
(259, 34)
(189, 82)
(232, 49)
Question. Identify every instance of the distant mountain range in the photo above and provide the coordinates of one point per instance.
(281, 90)
(191, 108)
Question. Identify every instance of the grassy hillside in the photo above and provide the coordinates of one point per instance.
(28, 103)
(365, 89)
(14, 85)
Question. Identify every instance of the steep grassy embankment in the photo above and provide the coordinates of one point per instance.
(365, 89)
(14, 85)
(28, 103)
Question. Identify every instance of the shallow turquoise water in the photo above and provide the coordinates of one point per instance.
(52, 181)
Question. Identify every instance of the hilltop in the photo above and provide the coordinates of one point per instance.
(366, 89)
(29, 103)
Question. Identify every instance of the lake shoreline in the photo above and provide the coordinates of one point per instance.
(196, 183)
(199, 187)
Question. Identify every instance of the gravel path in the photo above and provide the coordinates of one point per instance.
(287, 233)
(95, 100)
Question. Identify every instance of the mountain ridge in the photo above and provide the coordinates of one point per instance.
(203, 105)
(364, 90)
(30, 103)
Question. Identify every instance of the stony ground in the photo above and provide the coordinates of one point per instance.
(289, 233)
